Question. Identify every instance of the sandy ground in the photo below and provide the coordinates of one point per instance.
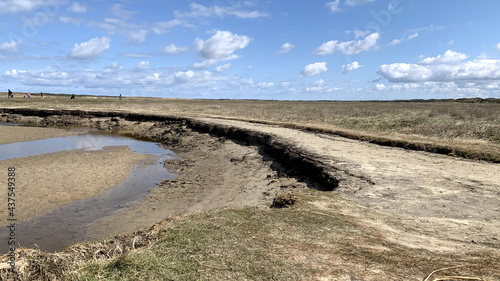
(207, 168)
(47, 181)
(452, 199)
(438, 203)
(12, 134)
(213, 174)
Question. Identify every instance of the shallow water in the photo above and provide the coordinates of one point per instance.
(91, 141)
(69, 224)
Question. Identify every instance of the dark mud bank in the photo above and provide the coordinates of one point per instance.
(171, 129)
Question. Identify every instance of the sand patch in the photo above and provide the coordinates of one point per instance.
(46, 181)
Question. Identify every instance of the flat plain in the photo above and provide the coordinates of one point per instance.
(418, 191)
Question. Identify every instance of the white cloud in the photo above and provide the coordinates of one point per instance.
(91, 48)
(320, 87)
(319, 82)
(10, 47)
(380, 87)
(173, 49)
(266, 84)
(334, 6)
(138, 36)
(75, 21)
(198, 10)
(221, 46)
(45, 76)
(357, 2)
(395, 42)
(314, 69)
(285, 48)
(113, 67)
(224, 67)
(348, 47)
(449, 57)
(163, 26)
(17, 6)
(184, 76)
(412, 36)
(143, 65)
(498, 46)
(443, 68)
(405, 38)
(351, 66)
(119, 12)
(77, 7)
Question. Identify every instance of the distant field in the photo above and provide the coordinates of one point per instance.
(471, 128)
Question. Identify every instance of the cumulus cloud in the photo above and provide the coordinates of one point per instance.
(351, 66)
(221, 46)
(77, 7)
(143, 65)
(285, 48)
(448, 67)
(266, 84)
(498, 46)
(380, 87)
(138, 36)
(173, 49)
(198, 10)
(321, 87)
(113, 67)
(314, 69)
(184, 76)
(90, 49)
(17, 6)
(449, 57)
(10, 47)
(224, 67)
(47, 77)
(348, 47)
(334, 6)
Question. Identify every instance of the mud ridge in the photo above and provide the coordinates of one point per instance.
(296, 162)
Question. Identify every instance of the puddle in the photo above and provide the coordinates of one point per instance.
(91, 141)
(69, 224)
(10, 124)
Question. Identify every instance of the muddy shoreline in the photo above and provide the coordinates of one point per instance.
(455, 200)
(152, 127)
(207, 165)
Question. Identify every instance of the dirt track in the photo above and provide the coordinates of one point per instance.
(449, 204)
(453, 200)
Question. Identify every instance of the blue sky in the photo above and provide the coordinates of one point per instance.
(257, 49)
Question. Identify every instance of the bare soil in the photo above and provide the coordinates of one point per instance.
(438, 203)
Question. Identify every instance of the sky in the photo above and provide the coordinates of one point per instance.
(256, 49)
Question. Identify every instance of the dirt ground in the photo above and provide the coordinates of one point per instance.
(207, 169)
(438, 203)
(47, 181)
(13, 134)
(453, 203)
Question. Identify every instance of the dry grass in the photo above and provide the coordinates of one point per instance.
(298, 243)
(470, 130)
